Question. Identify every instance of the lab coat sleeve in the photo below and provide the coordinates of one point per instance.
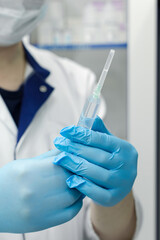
(139, 217)
(89, 233)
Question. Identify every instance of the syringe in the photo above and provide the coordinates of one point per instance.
(90, 108)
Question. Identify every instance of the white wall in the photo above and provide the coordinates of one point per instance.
(142, 105)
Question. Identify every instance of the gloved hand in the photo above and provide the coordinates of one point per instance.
(105, 166)
(34, 195)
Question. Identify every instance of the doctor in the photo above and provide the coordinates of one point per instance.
(41, 95)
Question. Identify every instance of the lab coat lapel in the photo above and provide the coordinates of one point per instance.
(36, 92)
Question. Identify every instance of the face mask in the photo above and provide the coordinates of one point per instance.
(18, 18)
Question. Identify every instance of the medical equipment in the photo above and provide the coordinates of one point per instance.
(90, 108)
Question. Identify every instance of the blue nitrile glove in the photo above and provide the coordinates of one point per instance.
(105, 166)
(34, 195)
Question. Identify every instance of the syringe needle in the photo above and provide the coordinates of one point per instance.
(104, 73)
(109, 60)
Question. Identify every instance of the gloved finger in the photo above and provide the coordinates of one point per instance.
(104, 197)
(48, 154)
(60, 217)
(91, 154)
(99, 126)
(98, 175)
(65, 214)
(45, 166)
(91, 138)
(63, 199)
(48, 186)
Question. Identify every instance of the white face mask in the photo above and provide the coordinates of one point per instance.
(18, 18)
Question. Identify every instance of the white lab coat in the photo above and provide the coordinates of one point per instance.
(72, 84)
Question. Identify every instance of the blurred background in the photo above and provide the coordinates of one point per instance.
(85, 31)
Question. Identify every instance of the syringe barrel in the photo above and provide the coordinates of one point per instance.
(89, 112)
(91, 106)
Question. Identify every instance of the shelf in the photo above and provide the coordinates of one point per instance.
(81, 46)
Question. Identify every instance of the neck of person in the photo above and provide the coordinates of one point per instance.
(12, 66)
